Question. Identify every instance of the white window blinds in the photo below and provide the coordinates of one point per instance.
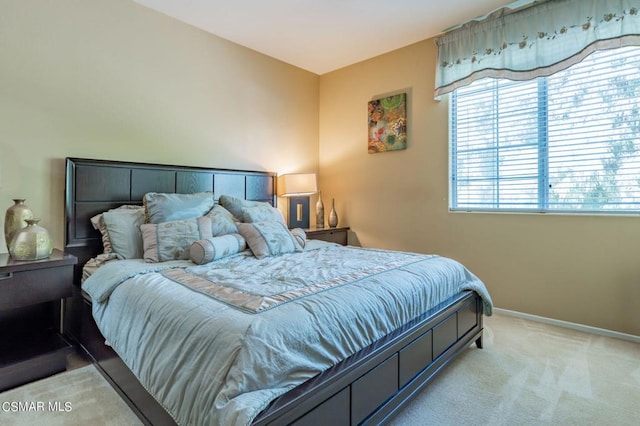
(565, 143)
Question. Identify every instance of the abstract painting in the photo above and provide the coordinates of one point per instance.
(388, 123)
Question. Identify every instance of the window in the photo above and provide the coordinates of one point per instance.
(565, 143)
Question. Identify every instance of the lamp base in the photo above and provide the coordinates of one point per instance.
(298, 212)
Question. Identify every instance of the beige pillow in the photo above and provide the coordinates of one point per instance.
(210, 249)
(172, 240)
(268, 238)
(300, 236)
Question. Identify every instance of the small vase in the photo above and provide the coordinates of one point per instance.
(15, 219)
(333, 216)
(31, 243)
(319, 212)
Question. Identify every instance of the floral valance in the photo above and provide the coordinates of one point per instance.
(538, 40)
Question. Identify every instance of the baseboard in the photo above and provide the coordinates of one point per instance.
(571, 325)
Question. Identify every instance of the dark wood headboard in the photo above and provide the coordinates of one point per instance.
(94, 186)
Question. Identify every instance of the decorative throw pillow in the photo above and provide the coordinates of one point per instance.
(172, 240)
(98, 223)
(222, 221)
(123, 227)
(214, 248)
(300, 236)
(261, 213)
(235, 205)
(268, 238)
(164, 207)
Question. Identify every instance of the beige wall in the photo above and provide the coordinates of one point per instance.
(581, 269)
(114, 80)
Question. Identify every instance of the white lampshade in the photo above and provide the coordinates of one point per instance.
(298, 185)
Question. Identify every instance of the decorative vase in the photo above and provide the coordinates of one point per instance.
(15, 219)
(333, 216)
(31, 243)
(319, 212)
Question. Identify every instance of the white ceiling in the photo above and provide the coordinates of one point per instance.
(323, 35)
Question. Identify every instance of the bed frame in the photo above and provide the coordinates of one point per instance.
(369, 387)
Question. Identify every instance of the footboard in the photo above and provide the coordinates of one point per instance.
(373, 384)
(366, 388)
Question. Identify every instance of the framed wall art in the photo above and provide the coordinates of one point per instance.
(388, 123)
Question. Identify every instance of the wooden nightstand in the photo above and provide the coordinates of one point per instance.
(32, 304)
(333, 235)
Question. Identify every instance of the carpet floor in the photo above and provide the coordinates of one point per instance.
(527, 374)
(531, 373)
(74, 398)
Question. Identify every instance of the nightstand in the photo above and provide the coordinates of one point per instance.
(333, 235)
(32, 305)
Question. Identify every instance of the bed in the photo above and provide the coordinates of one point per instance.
(312, 347)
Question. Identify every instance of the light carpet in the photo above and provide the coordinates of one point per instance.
(533, 374)
(527, 374)
(75, 398)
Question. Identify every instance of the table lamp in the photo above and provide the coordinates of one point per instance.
(297, 187)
